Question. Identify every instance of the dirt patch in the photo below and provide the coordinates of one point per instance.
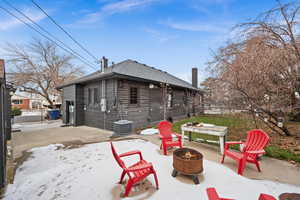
(19, 161)
(290, 143)
(71, 145)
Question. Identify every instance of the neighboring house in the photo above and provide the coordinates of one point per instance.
(21, 102)
(30, 101)
(128, 90)
(5, 122)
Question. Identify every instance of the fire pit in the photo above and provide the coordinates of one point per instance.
(188, 162)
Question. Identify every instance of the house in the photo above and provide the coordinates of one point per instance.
(20, 102)
(31, 101)
(128, 90)
(5, 122)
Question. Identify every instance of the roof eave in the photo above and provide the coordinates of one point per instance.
(152, 81)
(105, 76)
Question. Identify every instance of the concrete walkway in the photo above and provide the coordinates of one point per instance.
(272, 169)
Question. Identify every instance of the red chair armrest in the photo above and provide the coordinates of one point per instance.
(227, 144)
(256, 152)
(132, 153)
(140, 167)
(164, 137)
(235, 142)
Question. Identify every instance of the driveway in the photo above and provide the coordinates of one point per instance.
(22, 141)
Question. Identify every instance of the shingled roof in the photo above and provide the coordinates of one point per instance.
(134, 69)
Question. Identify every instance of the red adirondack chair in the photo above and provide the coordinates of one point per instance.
(165, 133)
(266, 197)
(213, 195)
(136, 172)
(254, 146)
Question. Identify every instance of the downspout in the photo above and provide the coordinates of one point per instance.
(103, 84)
(164, 100)
(104, 65)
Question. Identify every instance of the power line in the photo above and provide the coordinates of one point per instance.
(27, 24)
(68, 34)
(43, 29)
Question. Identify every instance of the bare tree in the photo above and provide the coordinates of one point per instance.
(262, 65)
(39, 68)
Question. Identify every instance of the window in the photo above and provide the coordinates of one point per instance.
(170, 100)
(96, 96)
(89, 96)
(17, 101)
(133, 95)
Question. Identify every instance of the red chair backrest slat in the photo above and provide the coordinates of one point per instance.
(116, 156)
(165, 128)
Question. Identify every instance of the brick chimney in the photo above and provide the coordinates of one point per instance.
(104, 64)
(2, 71)
(195, 77)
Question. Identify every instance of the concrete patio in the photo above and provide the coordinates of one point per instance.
(75, 173)
(272, 169)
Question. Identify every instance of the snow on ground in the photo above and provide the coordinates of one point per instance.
(31, 113)
(149, 131)
(90, 172)
(33, 126)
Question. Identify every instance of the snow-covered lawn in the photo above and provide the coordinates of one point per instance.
(90, 172)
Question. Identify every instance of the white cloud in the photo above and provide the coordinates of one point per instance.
(213, 1)
(160, 36)
(203, 6)
(114, 8)
(12, 22)
(125, 5)
(199, 26)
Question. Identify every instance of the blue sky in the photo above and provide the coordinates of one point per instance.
(173, 35)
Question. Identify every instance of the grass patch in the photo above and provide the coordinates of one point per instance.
(238, 126)
(226, 120)
(282, 154)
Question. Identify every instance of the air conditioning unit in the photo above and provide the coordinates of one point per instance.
(123, 127)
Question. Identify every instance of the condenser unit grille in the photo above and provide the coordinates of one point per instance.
(122, 127)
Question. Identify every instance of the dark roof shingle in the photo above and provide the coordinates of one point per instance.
(135, 69)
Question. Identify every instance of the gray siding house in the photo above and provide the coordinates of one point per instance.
(128, 91)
